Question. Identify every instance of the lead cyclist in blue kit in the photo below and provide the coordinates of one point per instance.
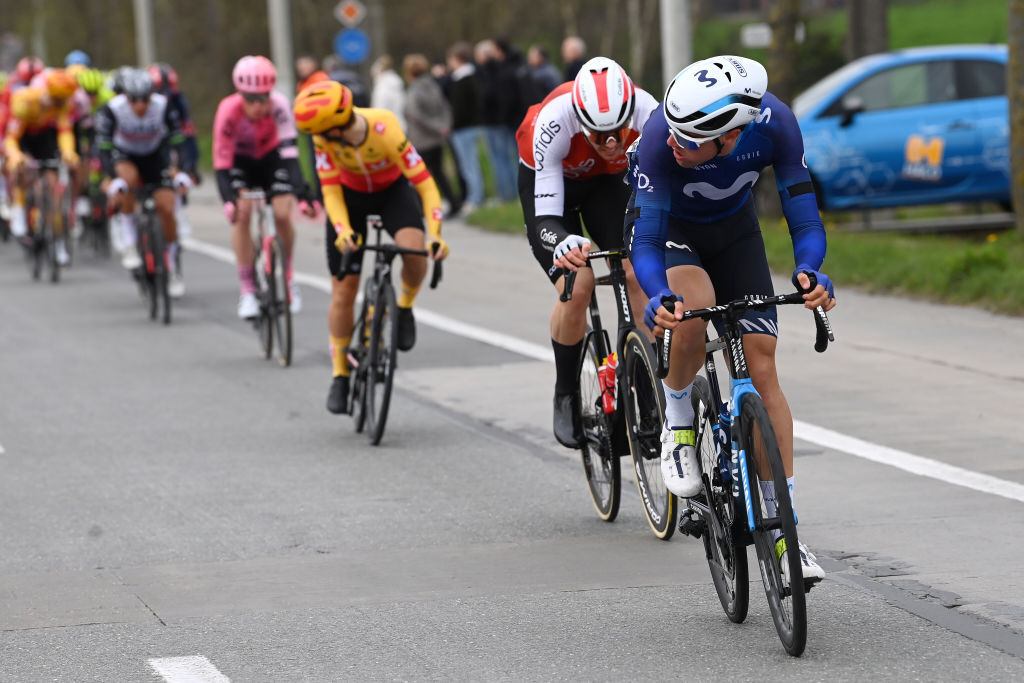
(693, 232)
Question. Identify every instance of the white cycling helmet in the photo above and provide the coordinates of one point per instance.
(603, 97)
(713, 96)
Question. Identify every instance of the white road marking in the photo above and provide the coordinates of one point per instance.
(187, 670)
(2, 451)
(908, 462)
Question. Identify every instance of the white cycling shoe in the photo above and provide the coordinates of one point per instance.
(679, 466)
(176, 286)
(248, 306)
(809, 566)
(63, 257)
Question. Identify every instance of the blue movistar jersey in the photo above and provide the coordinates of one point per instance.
(717, 189)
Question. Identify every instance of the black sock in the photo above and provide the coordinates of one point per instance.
(567, 358)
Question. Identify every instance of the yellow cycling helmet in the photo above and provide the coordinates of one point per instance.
(321, 106)
(60, 85)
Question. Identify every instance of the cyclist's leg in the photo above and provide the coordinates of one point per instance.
(400, 209)
(123, 204)
(283, 204)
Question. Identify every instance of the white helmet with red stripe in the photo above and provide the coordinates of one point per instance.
(603, 97)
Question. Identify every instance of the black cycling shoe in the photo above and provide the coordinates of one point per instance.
(406, 329)
(337, 397)
(567, 421)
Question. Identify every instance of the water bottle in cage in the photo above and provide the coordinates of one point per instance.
(606, 379)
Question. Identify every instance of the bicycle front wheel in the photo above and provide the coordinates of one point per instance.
(380, 373)
(600, 463)
(784, 587)
(281, 312)
(726, 552)
(264, 324)
(643, 400)
(157, 265)
(358, 353)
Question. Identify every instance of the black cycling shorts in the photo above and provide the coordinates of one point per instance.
(268, 173)
(731, 251)
(398, 205)
(596, 202)
(154, 168)
(41, 146)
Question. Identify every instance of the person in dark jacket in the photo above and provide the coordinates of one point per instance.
(429, 120)
(574, 54)
(466, 97)
(501, 105)
(544, 76)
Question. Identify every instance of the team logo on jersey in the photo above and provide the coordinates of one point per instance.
(323, 161)
(542, 140)
(380, 127)
(765, 116)
(411, 157)
(709, 191)
(437, 214)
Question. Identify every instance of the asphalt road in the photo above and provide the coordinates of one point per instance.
(173, 505)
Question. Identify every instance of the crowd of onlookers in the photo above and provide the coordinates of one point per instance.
(472, 104)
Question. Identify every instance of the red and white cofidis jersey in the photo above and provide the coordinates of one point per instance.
(551, 142)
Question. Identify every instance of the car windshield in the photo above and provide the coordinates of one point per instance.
(827, 86)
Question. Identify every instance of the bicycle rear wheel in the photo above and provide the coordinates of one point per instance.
(281, 312)
(265, 295)
(358, 351)
(380, 374)
(723, 545)
(156, 264)
(643, 401)
(786, 598)
(600, 464)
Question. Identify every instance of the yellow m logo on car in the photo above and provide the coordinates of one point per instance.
(919, 150)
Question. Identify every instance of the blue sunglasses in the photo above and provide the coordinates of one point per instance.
(689, 144)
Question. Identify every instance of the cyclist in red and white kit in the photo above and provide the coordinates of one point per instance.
(254, 146)
(572, 161)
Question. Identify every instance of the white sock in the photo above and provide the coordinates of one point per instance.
(184, 227)
(678, 407)
(172, 256)
(128, 238)
(19, 221)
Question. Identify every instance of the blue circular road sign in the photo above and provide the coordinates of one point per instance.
(352, 45)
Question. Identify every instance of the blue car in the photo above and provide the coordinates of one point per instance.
(916, 126)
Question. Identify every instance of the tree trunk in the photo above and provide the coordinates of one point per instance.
(782, 57)
(867, 28)
(1015, 93)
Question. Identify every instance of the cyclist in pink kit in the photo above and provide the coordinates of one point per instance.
(254, 146)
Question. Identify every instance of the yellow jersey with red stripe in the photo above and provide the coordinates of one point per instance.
(32, 111)
(373, 165)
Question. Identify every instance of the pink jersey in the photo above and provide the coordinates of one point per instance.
(235, 134)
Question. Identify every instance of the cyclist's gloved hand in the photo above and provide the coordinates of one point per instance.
(347, 239)
(117, 186)
(182, 180)
(442, 248)
(822, 279)
(230, 210)
(70, 158)
(566, 255)
(651, 309)
(15, 161)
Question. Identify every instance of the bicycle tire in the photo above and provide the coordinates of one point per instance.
(788, 607)
(162, 274)
(281, 310)
(643, 400)
(600, 464)
(265, 295)
(359, 346)
(724, 546)
(383, 355)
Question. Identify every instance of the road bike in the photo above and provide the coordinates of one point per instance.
(620, 404)
(730, 513)
(372, 352)
(269, 265)
(152, 276)
(44, 215)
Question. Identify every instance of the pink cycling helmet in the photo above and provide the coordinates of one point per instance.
(254, 74)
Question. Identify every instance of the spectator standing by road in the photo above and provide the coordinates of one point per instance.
(388, 90)
(466, 97)
(574, 53)
(500, 95)
(429, 120)
(544, 76)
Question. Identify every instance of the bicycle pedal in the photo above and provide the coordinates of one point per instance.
(690, 526)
